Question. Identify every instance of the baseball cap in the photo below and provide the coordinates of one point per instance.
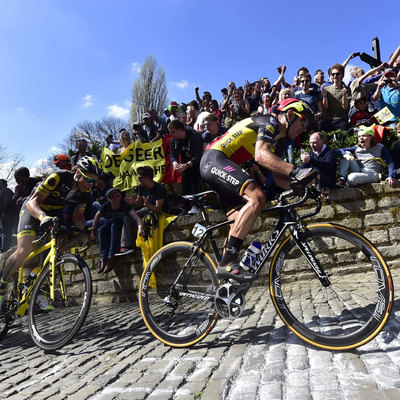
(146, 115)
(390, 72)
(60, 157)
(366, 130)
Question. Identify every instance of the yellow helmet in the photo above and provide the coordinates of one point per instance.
(300, 108)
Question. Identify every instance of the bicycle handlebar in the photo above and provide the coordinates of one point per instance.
(57, 229)
(311, 192)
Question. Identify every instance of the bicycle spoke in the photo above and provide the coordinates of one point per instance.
(55, 321)
(350, 307)
(177, 303)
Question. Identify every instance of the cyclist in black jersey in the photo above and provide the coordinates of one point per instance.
(264, 138)
(46, 201)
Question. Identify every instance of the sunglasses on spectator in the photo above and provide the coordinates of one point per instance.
(87, 178)
(304, 121)
(336, 73)
(305, 80)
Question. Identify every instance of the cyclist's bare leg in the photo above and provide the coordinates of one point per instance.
(247, 215)
(24, 247)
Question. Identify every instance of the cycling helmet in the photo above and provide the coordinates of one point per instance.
(300, 108)
(89, 165)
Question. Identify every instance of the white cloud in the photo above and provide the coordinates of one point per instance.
(41, 162)
(88, 100)
(55, 150)
(117, 111)
(21, 109)
(182, 84)
(135, 67)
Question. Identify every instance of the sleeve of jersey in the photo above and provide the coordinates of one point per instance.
(49, 184)
(84, 200)
(266, 133)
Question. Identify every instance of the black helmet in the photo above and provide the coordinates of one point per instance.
(89, 165)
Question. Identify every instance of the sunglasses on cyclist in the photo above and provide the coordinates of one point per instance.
(304, 121)
(87, 178)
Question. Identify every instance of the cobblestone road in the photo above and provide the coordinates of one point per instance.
(253, 357)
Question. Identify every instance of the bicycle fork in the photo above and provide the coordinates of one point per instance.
(300, 238)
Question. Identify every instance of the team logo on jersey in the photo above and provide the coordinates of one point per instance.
(270, 128)
(207, 166)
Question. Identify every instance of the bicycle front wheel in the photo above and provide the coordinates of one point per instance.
(8, 308)
(53, 322)
(4, 317)
(177, 294)
(352, 309)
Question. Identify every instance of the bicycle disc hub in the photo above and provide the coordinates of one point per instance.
(229, 301)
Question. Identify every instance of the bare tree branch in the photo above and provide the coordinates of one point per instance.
(149, 90)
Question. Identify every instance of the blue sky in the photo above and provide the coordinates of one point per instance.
(64, 61)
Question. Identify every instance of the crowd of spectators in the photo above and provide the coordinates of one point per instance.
(337, 106)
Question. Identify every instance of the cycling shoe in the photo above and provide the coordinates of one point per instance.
(234, 271)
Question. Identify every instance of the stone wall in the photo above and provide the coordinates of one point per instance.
(373, 210)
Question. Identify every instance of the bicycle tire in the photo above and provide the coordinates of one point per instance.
(7, 316)
(4, 325)
(194, 316)
(53, 328)
(348, 313)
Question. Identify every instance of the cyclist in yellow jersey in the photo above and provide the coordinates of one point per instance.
(47, 201)
(264, 138)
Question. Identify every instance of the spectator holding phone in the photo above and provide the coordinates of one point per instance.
(387, 92)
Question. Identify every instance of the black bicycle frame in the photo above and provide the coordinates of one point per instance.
(286, 220)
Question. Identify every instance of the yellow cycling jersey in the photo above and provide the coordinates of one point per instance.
(239, 143)
(57, 188)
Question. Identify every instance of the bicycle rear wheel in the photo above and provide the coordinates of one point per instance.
(177, 294)
(54, 322)
(352, 309)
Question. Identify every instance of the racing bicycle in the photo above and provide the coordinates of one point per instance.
(57, 297)
(329, 284)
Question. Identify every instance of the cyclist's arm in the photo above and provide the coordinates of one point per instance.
(78, 218)
(265, 157)
(33, 205)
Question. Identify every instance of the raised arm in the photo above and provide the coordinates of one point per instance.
(351, 56)
(394, 57)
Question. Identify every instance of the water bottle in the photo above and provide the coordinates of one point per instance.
(250, 255)
(31, 277)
